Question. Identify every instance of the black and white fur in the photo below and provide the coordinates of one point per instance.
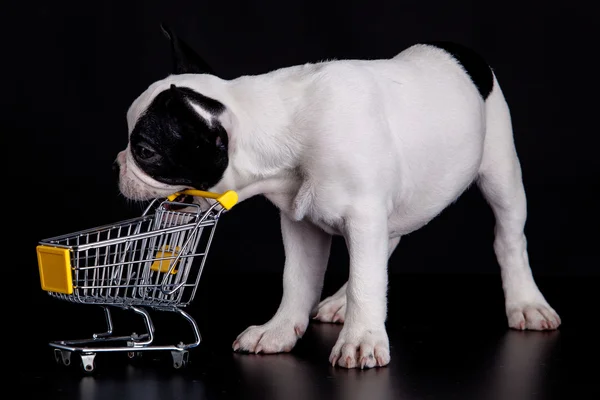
(368, 149)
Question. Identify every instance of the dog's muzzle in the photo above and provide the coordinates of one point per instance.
(184, 199)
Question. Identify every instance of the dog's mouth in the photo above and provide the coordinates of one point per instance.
(180, 202)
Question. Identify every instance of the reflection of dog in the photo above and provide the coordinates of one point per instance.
(371, 150)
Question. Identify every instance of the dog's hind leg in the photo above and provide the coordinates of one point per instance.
(333, 308)
(500, 181)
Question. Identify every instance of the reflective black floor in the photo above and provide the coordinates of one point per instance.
(448, 338)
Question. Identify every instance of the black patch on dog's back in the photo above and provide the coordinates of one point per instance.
(478, 70)
(173, 144)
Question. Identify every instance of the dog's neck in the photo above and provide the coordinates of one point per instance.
(266, 145)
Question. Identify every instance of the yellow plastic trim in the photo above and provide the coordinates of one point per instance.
(162, 265)
(55, 269)
(227, 199)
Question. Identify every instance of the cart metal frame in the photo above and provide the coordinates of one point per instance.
(149, 262)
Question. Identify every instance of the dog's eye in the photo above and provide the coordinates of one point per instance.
(144, 152)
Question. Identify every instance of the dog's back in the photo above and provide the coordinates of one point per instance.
(411, 127)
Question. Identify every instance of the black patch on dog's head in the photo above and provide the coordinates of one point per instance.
(173, 144)
(476, 67)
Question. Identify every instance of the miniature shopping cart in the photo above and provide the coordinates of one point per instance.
(150, 262)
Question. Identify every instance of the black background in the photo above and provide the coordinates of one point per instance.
(71, 69)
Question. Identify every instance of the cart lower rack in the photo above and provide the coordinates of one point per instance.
(150, 262)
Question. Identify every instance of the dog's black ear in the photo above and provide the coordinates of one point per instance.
(185, 59)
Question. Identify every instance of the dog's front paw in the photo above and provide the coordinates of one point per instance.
(272, 337)
(361, 348)
(534, 316)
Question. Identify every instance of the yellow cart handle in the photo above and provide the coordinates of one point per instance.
(227, 199)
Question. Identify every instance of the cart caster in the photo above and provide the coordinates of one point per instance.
(134, 354)
(87, 362)
(135, 357)
(62, 357)
(180, 358)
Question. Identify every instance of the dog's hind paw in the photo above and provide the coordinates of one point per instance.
(332, 309)
(272, 337)
(532, 316)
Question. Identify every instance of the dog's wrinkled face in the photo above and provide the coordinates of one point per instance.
(175, 142)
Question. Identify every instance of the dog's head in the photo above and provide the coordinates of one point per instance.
(176, 136)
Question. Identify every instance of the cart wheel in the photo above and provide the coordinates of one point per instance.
(57, 356)
(87, 362)
(180, 358)
(62, 357)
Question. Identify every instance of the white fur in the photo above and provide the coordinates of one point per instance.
(371, 150)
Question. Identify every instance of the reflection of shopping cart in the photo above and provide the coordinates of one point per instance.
(152, 261)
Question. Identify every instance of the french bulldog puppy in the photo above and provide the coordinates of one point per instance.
(368, 149)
